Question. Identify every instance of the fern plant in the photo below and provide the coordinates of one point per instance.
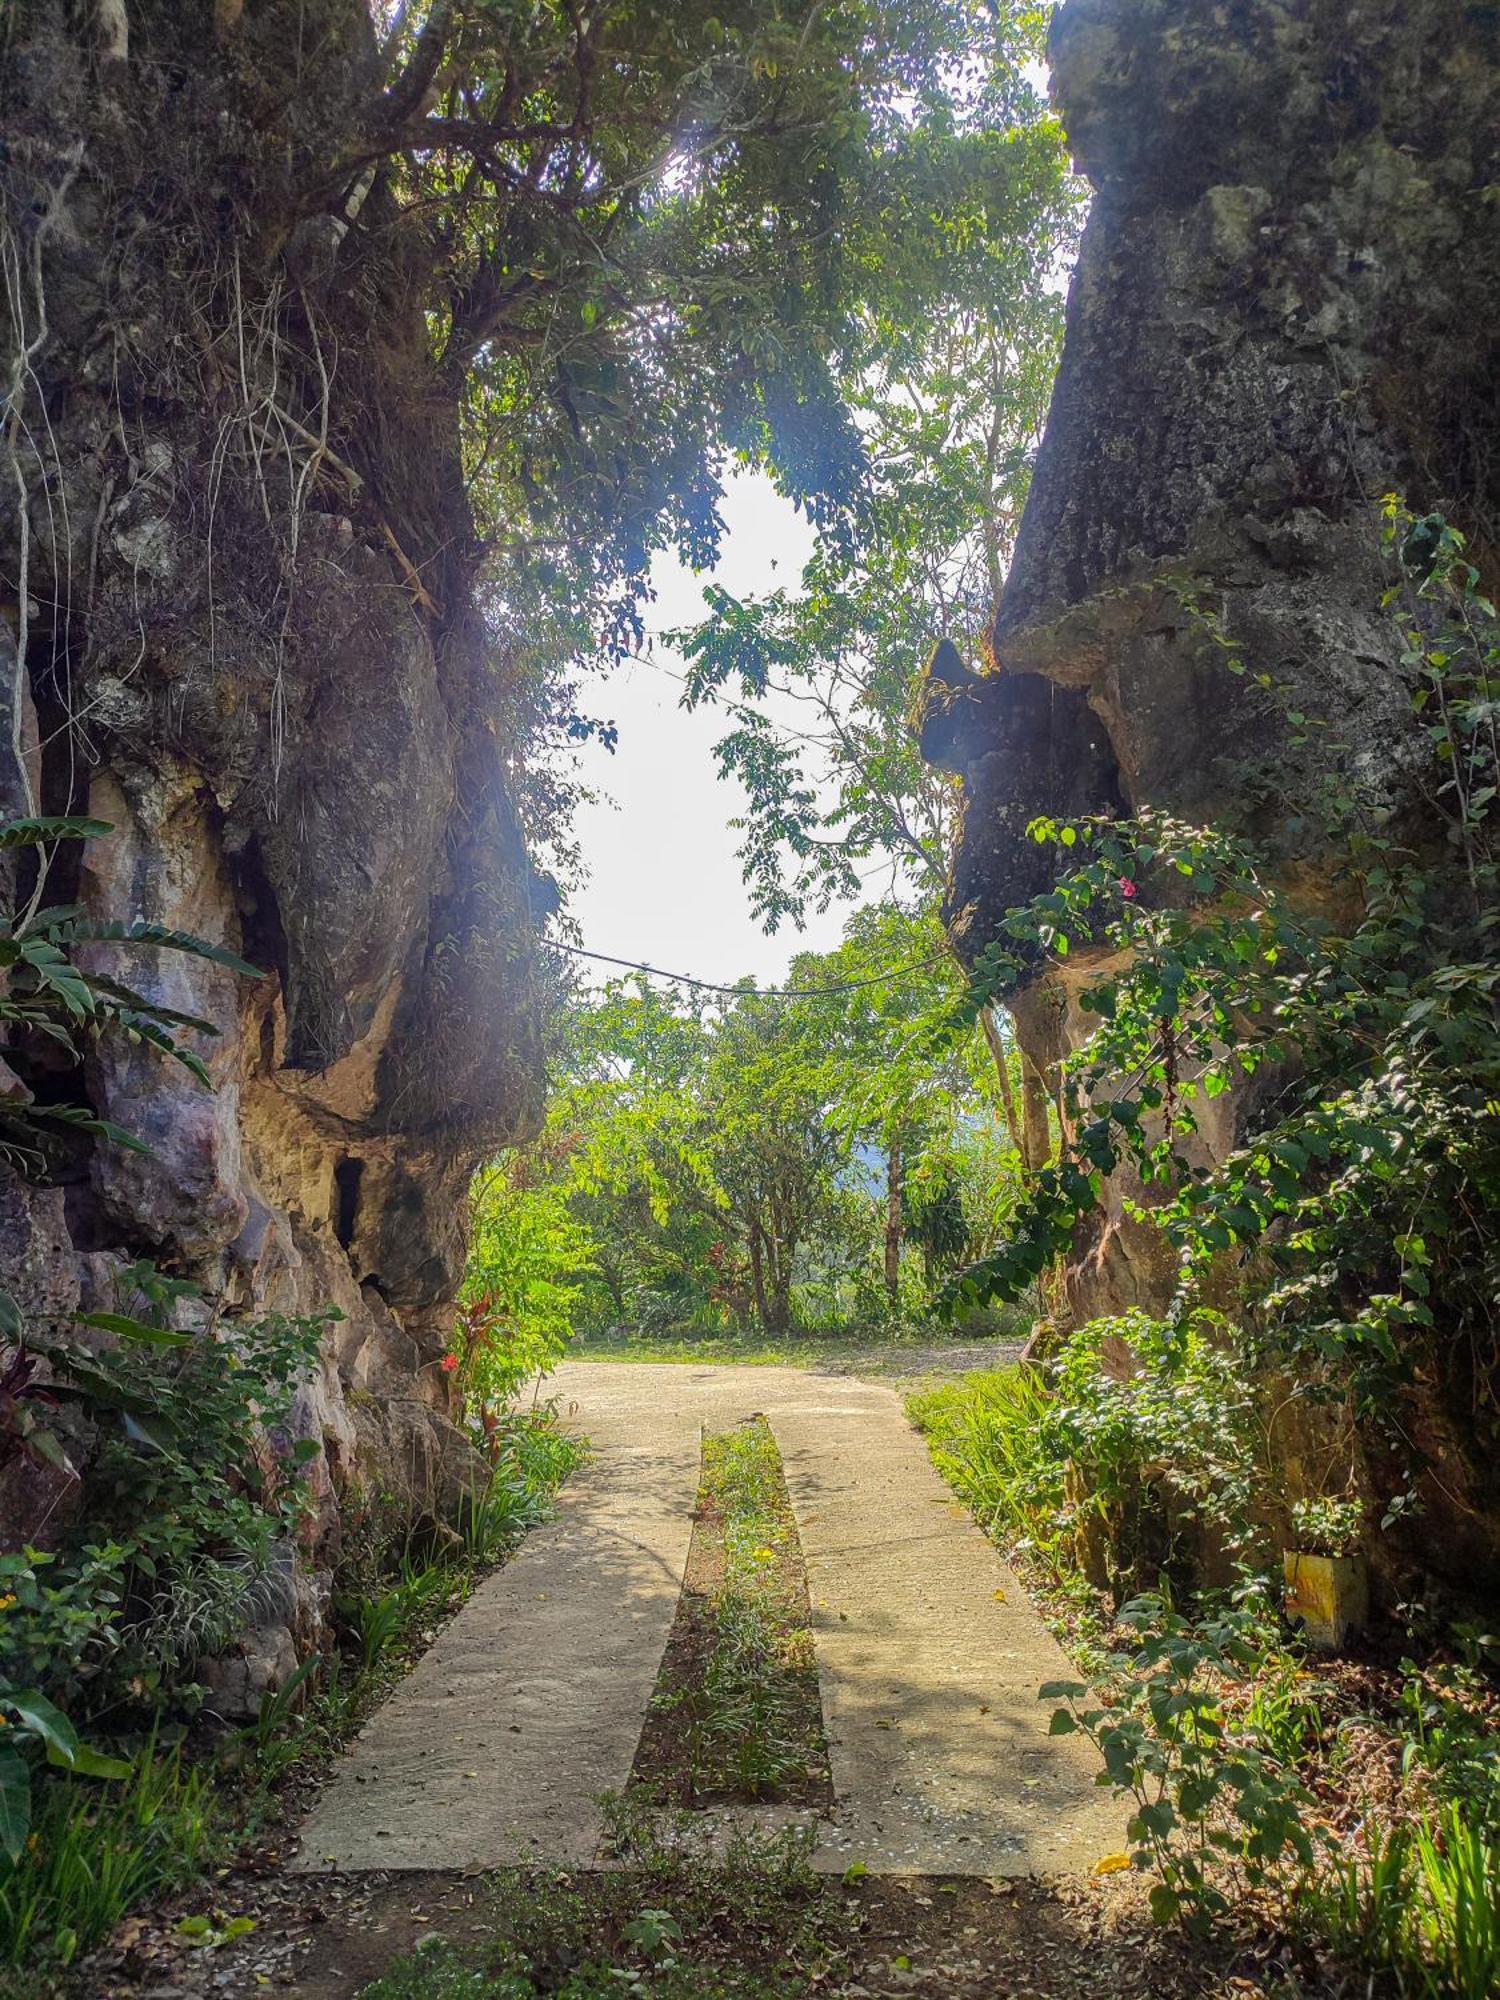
(46, 992)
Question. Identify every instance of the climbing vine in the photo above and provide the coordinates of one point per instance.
(1357, 1025)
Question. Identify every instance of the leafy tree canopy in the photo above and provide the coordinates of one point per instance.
(660, 238)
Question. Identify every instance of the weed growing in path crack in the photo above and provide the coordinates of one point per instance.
(737, 1714)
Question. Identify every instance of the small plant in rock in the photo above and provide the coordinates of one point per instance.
(50, 998)
(1327, 1527)
(1215, 1808)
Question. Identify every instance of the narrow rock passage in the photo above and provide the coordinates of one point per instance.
(530, 1704)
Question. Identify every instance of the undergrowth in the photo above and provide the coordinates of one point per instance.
(737, 1712)
(99, 1850)
(1246, 1764)
(669, 1924)
(757, 1682)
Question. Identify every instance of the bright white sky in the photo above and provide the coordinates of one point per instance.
(664, 881)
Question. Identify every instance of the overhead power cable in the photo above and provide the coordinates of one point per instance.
(759, 992)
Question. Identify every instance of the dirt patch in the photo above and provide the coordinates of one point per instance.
(937, 1937)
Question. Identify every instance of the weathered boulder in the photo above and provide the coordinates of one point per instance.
(1285, 307)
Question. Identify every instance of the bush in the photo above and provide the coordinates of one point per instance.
(522, 1289)
(185, 1508)
(1142, 1426)
(1215, 1808)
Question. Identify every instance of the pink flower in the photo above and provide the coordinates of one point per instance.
(1127, 888)
(448, 1363)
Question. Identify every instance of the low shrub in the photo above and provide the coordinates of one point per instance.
(1140, 1426)
(96, 1852)
(1217, 1809)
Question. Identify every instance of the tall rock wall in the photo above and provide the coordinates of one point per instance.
(237, 576)
(1287, 304)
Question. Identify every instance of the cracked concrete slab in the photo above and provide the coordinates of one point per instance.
(530, 1703)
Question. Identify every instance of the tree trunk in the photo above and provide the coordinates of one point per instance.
(895, 1182)
(780, 1318)
(1007, 1087)
(758, 1274)
(1036, 1124)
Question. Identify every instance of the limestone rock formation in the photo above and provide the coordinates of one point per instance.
(237, 575)
(1286, 305)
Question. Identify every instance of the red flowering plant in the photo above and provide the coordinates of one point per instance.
(515, 1312)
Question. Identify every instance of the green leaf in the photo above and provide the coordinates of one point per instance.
(47, 1445)
(135, 1329)
(33, 832)
(89, 1763)
(138, 931)
(1165, 1903)
(45, 1721)
(12, 1324)
(78, 1119)
(15, 1801)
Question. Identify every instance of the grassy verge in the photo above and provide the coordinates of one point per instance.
(99, 1851)
(1385, 1763)
(748, 1350)
(736, 1714)
(908, 1351)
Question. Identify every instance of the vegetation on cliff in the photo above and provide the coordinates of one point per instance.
(356, 365)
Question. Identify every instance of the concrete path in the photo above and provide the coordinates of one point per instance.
(530, 1703)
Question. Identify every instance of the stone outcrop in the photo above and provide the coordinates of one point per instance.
(1285, 306)
(237, 563)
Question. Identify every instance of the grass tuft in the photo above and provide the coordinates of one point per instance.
(97, 1851)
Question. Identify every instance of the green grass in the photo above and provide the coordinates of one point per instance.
(99, 1850)
(1421, 1902)
(881, 1349)
(749, 1350)
(986, 1435)
(757, 1684)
